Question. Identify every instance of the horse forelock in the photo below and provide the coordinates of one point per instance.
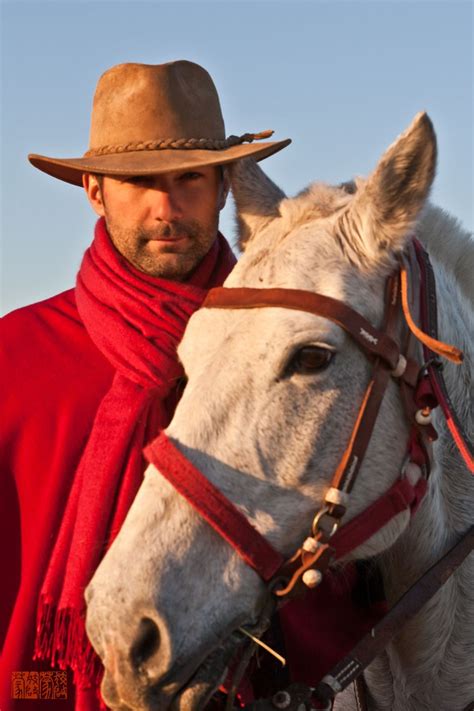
(317, 201)
(303, 249)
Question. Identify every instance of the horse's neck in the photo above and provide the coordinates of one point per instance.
(418, 669)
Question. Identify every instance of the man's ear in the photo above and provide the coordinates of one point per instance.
(94, 193)
(225, 187)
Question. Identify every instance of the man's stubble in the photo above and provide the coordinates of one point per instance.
(136, 247)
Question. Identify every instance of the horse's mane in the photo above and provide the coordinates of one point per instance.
(450, 244)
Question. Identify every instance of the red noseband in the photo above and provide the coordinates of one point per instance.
(213, 506)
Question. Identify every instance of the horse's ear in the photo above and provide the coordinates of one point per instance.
(386, 207)
(256, 198)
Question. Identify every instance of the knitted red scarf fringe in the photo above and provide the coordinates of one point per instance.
(136, 321)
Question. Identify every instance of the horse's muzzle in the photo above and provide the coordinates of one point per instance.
(140, 671)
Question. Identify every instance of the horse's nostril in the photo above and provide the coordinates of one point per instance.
(146, 642)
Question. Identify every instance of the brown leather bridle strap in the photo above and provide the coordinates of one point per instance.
(369, 338)
(351, 461)
(348, 468)
(384, 631)
(328, 519)
(429, 322)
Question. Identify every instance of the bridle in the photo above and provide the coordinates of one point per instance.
(422, 389)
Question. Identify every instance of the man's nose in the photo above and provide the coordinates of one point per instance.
(165, 205)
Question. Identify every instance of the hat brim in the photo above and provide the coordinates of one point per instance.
(150, 162)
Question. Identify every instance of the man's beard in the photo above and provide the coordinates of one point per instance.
(136, 247)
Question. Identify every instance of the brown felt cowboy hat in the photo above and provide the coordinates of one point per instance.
(153, 118)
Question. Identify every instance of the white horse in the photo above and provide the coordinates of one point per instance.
(271, 399)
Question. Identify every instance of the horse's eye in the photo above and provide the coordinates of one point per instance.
(310, 359)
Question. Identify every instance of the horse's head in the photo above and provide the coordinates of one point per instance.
(268, 410)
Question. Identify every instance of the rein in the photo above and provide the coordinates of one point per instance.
(422, 389)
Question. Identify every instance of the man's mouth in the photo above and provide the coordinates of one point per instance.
(171, 238)
(169, 233)
(169, 244)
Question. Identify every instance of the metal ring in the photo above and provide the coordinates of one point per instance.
(435, 362)
(318, 517)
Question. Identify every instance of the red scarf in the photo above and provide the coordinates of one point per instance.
(136, 321)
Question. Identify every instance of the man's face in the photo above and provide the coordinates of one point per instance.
(163, 224)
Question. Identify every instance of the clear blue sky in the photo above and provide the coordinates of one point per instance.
(343, 79)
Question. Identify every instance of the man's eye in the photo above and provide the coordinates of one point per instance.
(308, 360)
(137, 179)
(191, 175)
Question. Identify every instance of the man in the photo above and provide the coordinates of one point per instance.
(91, 375)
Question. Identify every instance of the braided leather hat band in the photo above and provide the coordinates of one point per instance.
(208, 144)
